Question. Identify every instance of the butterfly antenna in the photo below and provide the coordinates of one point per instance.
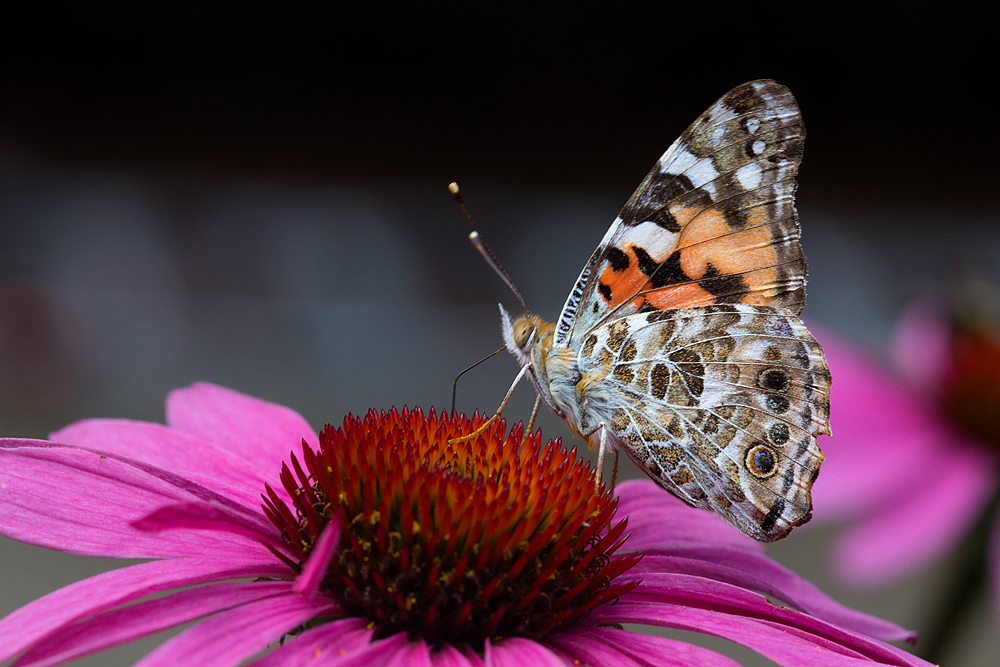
(480, 244)
(454, 386)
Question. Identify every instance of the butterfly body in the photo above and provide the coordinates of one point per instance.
(680, 344)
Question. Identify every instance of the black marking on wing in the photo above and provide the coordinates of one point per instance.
(618, 260)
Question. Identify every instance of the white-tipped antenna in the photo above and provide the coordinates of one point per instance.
(480, 244)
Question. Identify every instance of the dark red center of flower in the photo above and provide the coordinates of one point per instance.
(972, 390)
(496, 536)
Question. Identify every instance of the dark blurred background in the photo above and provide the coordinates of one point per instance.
(255, 195)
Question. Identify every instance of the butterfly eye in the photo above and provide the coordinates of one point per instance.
(760, 461)
(522, 333)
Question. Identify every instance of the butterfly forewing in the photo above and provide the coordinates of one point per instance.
(713, 222)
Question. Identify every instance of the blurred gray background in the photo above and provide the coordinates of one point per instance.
(256, 198)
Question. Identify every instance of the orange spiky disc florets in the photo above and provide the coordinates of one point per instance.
(496, 536)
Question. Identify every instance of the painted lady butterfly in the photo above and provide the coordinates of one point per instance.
(680, 343)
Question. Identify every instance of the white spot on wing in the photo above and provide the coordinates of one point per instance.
(649, 236)
(700, 171)
(749, 175)
(702, 174)
(758, 147)
(753, 125)
(678, 163)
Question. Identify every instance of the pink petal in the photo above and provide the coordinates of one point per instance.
(209, 517)
(230, 637)
(309, 580)
(412, 654)
(517, 652)
(921, 525)
(379, 653)
(611, 646)
(449, 656)
(322, 644)
(263, 433)
(784, 635)
(658, 520)
(769, 639)
(203, 461)
(47, 615)
(125, 624)
(581, 650)
(758, 572)
(474, 658)
(84, 502)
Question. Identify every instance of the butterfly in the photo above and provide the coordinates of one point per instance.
(680, 343)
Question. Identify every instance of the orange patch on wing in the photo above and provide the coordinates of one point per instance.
(680, 296)
(763, 286)
(683, 214)
(624, 284)
(708, 237)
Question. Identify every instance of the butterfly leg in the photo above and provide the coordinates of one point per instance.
(614, 473)
(503, 404)
(534, 413)
(603, 447)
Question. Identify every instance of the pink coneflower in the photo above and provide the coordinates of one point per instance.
(385, 542)
(912, 467)
(904, 465)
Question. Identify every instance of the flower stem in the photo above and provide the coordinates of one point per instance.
(967, 586)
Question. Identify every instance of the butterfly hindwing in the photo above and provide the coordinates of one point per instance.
(713, 222)
(720, 405)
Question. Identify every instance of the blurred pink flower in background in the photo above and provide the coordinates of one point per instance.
(912, 468)
(313, 560)
(908, 478)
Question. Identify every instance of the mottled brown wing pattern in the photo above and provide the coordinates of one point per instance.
(720, 405)
(713, 222)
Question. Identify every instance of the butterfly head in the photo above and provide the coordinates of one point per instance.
(519, 334)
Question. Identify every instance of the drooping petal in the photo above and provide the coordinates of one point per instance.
(84, 502)
(323, 644)
(920, 526)
(261, 432)
(517, 652)
(231, 637)
(309, 580)
(49, 614)
(613, 647)
(760, 573)
(657, 520)
(125, 624)
(787, 636)
(199, 459)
